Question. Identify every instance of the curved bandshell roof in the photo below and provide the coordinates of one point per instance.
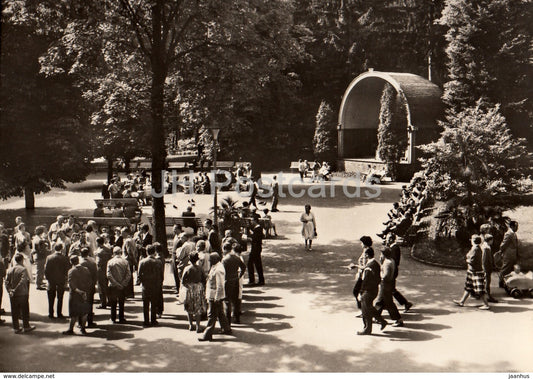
(360, 103)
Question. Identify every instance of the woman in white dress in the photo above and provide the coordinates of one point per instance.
(308, 227)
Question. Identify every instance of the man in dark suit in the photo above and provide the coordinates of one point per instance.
(143, 239)
(254, 260)
(102, 255)
(17, 286)
(56, 270)
(396, 257)
(369, 290)
(151, 278)
(213, 237)
(79, 283)
(508, 251)
(89, 263)
(189, 221)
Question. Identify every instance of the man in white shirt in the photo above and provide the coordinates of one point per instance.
(55, 227)
(215, 294)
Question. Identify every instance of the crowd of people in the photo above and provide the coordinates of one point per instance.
(407, 210)
(132, 186)
(318, 171)
(85, 260)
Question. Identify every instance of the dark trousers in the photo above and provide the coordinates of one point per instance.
(129, 288)
(102, 287)
(274, 202)
(368, 310)
(399, 297)
(160, 303)
(215, 312)
(175, 272)
(232, 300)
(39, 272)
(488, 278)
(55, 290)
(116, 296)
(356, 290)
(90, 300)
(150, 307)
(385, 301)
(254, 260)
(20, 307)
(1, 291)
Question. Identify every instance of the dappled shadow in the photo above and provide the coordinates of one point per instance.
(141, 355)
(408, 335)
(428, 326)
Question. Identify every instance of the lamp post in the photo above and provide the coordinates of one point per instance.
(215, 129)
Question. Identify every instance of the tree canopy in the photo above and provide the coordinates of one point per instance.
(44, 139)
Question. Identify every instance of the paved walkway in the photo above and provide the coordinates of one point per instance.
(302, 320)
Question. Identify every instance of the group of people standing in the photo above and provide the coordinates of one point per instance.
(319, 171)
(209, 272)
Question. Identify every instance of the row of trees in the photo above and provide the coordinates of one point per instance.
(109, 78)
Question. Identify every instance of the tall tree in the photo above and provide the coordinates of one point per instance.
(476, 162)
(43, 125)
(489, 58)
(324, 139)
(163, 39)
(392, 129)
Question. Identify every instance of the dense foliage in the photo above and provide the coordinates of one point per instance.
(324, 141)
(476, 164)
(392, 129)
(489, 58)
(44, 135)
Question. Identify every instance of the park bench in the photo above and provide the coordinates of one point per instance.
(242, 164)
(178, 166)
(105, 221)
(225, 165)
(111, 203)
(193, 222)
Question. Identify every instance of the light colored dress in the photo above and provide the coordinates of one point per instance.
(308, 228)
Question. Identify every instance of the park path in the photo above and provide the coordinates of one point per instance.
(302, 320)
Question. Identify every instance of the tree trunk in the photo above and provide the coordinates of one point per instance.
(159, 73)
(109, 169)
(29, 197)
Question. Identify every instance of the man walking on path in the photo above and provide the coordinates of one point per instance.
(18, 286)
(396, 255)
(369, 291)
(488, 263)
(508, 251)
